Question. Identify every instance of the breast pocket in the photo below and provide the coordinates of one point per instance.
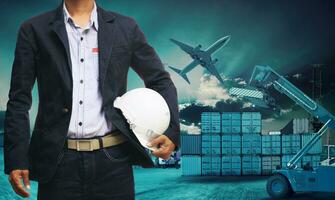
(95, 55)
(92, 65)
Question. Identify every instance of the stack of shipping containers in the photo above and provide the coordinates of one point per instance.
(296, 134)
(291, 144)
(251, 143)
(271, 153)
(211, 143)
(231, 144)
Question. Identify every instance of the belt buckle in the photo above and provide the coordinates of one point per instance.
(90, 142)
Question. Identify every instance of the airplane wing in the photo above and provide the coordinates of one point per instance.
(185, 47)
(212, 69)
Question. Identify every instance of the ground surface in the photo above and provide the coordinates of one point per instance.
(168, 184)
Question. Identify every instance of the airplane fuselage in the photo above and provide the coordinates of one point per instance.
(202, 57)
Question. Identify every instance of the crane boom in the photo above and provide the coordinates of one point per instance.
(265, 76)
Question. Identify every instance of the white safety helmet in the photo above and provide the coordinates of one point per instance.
(146, 112)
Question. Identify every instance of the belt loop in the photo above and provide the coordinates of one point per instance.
(101, 144)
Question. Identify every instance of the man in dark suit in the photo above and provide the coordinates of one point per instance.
(81, 146)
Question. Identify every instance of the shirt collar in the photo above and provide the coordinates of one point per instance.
(93, 18)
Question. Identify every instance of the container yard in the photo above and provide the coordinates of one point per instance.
(231, 144)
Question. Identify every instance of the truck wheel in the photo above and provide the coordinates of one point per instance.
(278, 187)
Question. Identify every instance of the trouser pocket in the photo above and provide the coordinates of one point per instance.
(117, 153)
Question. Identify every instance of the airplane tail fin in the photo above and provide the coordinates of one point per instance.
(178, 71)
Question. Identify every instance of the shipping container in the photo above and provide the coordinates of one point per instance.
(211, 122)
(314, 160)
(328, 151)
(191, 165)
(231, 122)
(211, 144)
(251, 129)
(301, 125)
(216, 165)
(251, 115)
(270, 163)
(206, 122)
(316, 148)
(286, 158)
(251, 165)
(291, 144)
(231, 165)
(247, 115)
(231, 144)
(297, 126)
(251, 144)
(271, 144)
(211, 165)
(251, 122)
(190, 144)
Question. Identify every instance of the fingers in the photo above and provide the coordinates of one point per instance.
(26, 182)
(164, 147)
(15, 180)
(157, 141)
(163, 152)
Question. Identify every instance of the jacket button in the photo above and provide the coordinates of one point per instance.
(65, 110)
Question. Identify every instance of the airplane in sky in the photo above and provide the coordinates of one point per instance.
(201, 57)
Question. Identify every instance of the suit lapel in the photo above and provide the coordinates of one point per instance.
(60, 30)
(58, 26)
(106, 36)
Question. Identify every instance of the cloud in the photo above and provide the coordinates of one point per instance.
(211, 91)
(183, 105)
(190, 129)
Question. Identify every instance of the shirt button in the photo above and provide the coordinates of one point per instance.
(82, 60)
(65, 110)
(81, 39)
(80, 123)
(80, 102)
(81, 81)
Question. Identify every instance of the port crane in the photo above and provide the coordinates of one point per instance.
(290, 179)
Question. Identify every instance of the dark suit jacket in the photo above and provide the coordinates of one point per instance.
(42, 53)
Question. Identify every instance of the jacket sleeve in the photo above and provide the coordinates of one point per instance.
(149, 67)
(17, 128)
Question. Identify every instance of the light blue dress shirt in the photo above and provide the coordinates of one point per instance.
(87, 117)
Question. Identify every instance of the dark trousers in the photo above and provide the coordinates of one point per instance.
(102, 174)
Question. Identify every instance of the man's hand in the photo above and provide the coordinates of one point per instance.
(164, 147)
(15, 178)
